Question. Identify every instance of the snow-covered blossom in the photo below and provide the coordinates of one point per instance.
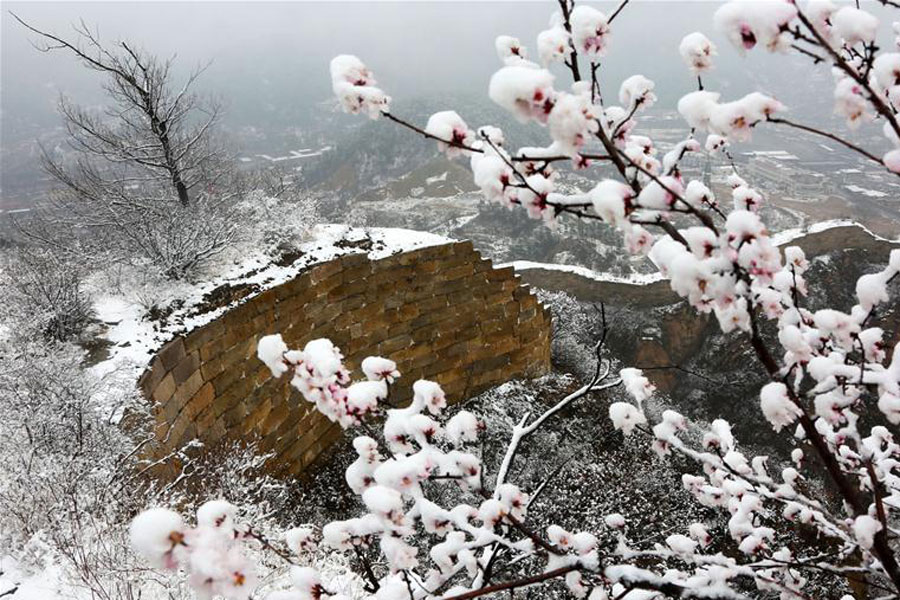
(854, 25)
(699, 532)
(301, 540)
(747, 23)
(886, 75)
(572, 122)
(509, 47)
(535, 195)
(637, 90)
(715, 142)
(217, 514)
(891, 160)
(625, 416)
(638, 386)
(777, 407)
(612, 201)
(353, 84)
(430, 395)
(527, 93)
(697, 107)
(850, 102)
(452, 130)
(270, 350)
(210, 553)
(157, 534)
(865, 528)
(590, 31)
(871, 289)
(377, 368)
(697, 194)
(697, 52)
(660, 194)
(614, 521)
(553, 45)
(734, 120)
(681, 544)
(463, 427)
(307, 583)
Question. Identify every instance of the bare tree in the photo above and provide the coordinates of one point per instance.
(152, 126)
(149, 179)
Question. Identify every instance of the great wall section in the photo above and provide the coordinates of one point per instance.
(441, 312)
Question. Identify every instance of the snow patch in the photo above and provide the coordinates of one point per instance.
(865, 192)
(437, 178)
(789, 235)
(633, 279)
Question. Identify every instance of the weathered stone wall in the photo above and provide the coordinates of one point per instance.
(441, 312)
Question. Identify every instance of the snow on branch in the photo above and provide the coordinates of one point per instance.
(827, 368)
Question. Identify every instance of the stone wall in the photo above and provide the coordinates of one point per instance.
(440, 312)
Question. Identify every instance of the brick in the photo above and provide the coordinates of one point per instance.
(234, 415)
(171, 353)
(151, 377)
(165, 389)
(201, 400)
(186, 390)
(186, 367)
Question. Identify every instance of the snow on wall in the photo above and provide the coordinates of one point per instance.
(440, 311)
(135, 340)
(784, 238)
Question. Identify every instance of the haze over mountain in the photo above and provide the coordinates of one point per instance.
(268, 61)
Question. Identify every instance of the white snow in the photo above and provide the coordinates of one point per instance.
(865, 192)
(776, 154)
(634, 279)
(789, 235)
(292, 155)
(45, 585)
(437, 178)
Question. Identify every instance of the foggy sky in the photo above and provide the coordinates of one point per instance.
(276, 54)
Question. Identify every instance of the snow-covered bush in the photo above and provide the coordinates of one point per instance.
(576, 329)
(73, 477)
(277, 224)
(64, 457)
(834, 384)
(44, 294)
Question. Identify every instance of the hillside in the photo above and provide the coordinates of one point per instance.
(652, 327)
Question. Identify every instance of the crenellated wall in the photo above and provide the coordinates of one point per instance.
(441, 312)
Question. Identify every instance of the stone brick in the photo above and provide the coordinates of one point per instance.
(186, 367)
(151, 377)
(201, 400)
(165, 390)
(234, 415)
(186, 390)
(501, 274)
(171, 353)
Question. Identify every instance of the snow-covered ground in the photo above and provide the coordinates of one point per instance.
(865, 192)
(46, 585)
